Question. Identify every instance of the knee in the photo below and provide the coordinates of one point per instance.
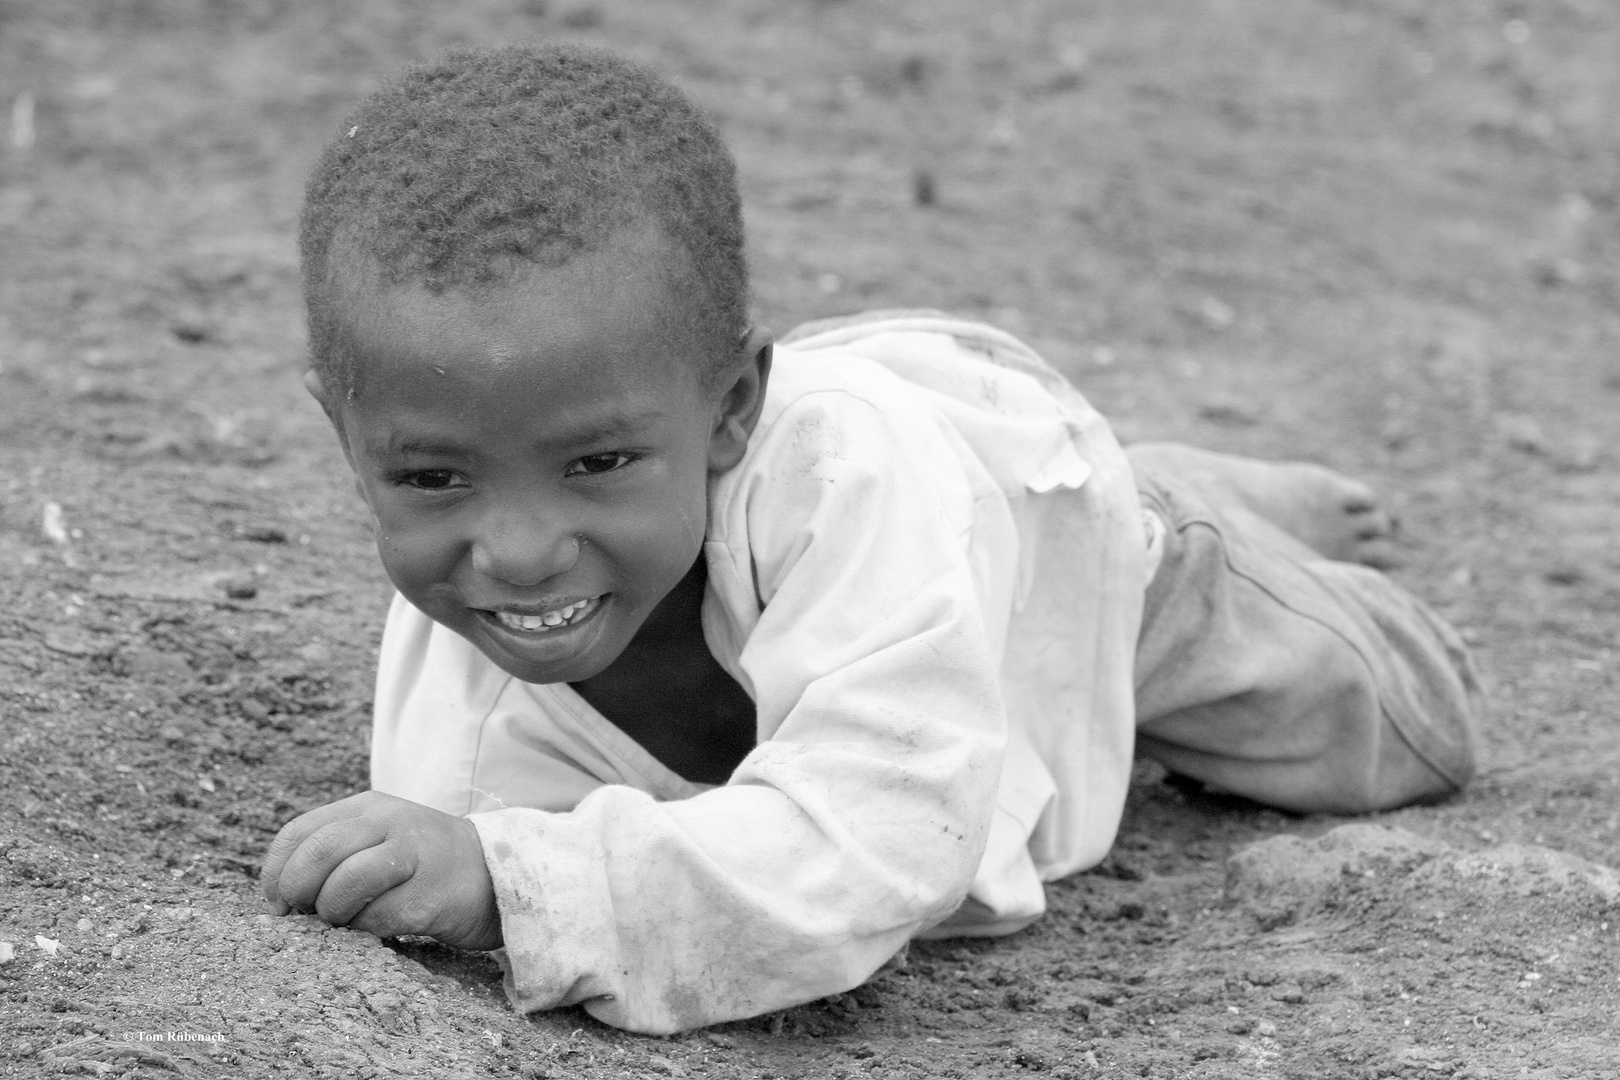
(1341, 754)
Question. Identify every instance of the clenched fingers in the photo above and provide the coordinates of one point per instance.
(361, 878)
(291, 835)
(311, 856)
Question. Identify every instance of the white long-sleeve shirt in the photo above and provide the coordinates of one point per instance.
(927, 572)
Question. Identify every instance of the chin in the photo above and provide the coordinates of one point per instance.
(577, 671)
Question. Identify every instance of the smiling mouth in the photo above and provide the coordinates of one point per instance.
(545, 622)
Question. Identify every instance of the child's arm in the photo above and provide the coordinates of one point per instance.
(387, 866)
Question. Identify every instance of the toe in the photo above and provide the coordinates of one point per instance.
(1374, 525)
(1379, 554)
(1356, 497)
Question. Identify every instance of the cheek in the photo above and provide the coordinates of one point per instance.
(662, 537)
(414, 552)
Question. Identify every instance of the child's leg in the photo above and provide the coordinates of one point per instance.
(1266, 669)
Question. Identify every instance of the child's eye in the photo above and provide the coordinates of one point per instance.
(595, 464)
(429, 479)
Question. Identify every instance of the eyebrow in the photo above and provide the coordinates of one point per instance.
(422, 448)
(606, 429)
(613, 427)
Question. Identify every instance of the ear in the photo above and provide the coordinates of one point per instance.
(317, 390)
(741, 402)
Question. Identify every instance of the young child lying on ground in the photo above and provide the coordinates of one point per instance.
(718, 670)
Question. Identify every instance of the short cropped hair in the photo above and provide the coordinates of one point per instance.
(462, 170)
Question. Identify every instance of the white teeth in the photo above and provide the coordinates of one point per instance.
(546, 621)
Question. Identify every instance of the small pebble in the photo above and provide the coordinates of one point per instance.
(85, 925)
(1521, 432)
(192, 333)
(52, 524)
(50, 945)
(315, 653)
(1217, 314)
(264, 534)
(1229, 413)
(69, 644)
(923, 189)
(8, 952)
(239, 588)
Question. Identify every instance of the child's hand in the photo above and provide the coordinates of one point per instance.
(387, 866)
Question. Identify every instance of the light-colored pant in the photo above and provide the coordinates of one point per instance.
(1267, 671)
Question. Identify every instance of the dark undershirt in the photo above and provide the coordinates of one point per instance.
(668, 692)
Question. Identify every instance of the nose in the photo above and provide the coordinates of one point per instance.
(523, 548)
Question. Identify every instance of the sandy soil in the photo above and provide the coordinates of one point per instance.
(1381, 234)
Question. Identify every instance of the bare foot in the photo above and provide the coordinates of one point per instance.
(1334, 515)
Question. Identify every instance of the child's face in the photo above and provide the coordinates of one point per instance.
(537, 457)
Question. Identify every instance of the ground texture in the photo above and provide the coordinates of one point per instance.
(1380, 234)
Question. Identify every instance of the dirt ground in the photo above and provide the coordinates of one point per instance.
(1381, 234)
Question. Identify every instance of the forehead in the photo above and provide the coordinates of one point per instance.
(612, 319)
